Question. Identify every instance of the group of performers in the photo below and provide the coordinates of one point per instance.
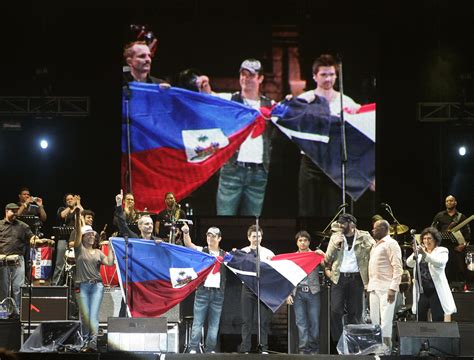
(356, 262)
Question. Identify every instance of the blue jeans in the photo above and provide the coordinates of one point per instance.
(207, 303)
(307, 308)
(89, 299)
(18, 280)
(241, 187)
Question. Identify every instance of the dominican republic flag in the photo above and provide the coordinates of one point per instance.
(278, 276)
(160, 275)
(42, 262)
(318, 134)
(179, 138)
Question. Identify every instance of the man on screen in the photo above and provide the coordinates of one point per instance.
(318, 195)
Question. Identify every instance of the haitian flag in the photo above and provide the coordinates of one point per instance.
(278, 276)
(179, 138)
(318, 134)
(160, 275)
(42, 262)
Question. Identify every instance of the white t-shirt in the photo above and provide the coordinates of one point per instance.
(264, 253)
(212, 280)
(349, 260)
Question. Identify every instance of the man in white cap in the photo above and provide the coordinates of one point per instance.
(243, 179)
(209, 296)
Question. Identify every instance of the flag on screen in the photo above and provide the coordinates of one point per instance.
(179, 138)
(159, 275)
(278, 276)
(318, 134)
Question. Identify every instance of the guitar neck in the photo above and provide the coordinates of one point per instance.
(462, 224)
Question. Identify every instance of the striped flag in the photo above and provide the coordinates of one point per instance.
(278, 276)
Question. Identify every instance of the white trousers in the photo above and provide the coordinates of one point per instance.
(381, 312)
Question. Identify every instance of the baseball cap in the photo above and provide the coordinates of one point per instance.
(12, 206)
(214, 231)
(345, 218)
(86, 229)
(252, 65)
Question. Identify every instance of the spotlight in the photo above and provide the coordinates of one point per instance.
(462, 150)
(44, 144)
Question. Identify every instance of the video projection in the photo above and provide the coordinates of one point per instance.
(249, 126)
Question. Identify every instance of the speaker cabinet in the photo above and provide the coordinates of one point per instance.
(47, 303)
(111, 302)
(436, 338)
(10, 334)
(137, 334)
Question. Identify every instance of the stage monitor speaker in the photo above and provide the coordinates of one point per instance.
(110, 306)
(10, 334)
(55, 336)
(425, 338)
(47, 303)
(137, 334)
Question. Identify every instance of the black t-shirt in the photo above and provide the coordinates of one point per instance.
(14, 237)
(165, 218)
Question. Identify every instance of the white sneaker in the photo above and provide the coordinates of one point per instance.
(192, 351)
(265, 352)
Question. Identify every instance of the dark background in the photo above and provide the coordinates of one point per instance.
(414, 54)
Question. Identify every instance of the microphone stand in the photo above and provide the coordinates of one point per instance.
(395, 221)
(257, 271)
(341, 210)
(126, 290)
(418, 283)
(343, 136)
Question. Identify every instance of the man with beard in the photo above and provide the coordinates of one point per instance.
(318, 195)
(14, 235)
(137, 55)
(346, 265)
(165, 226)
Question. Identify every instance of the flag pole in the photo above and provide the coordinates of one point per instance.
(257, 271)
(128, 171)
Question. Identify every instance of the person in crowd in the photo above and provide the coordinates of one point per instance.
(166, 226)
(14, 235)
(307, 303)
(209, 296)
(249, 301)
(346, 265)
(65, 216)
(30, 205)
(385, 274)
(436, 296)
(444, 221)
(88, 282)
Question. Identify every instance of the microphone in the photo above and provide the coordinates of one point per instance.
(412, 232)
(384, 205)
(342, 206)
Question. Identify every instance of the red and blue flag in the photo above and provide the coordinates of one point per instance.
(159, 275)
(179, 138)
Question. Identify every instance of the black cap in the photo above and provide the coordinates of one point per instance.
(345, 218)
(12, 206)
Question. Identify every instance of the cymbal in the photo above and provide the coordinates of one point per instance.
(400, 229)
(322, 234)
(406, 246)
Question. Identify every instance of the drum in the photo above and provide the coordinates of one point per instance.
(69, 256)
(108, 273)
(12, 260)
(470, 261)
(42, 261)
(405, 283)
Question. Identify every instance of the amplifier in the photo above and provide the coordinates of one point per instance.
(47, 303)
(137, 334)
(173, 315)
(111, 303)
(10, 334)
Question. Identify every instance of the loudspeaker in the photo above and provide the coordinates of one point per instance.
(47, 303)
(137, 334)
(174, 314)
(111, 303)
(10, 334)
(54, 336)
(437, 338)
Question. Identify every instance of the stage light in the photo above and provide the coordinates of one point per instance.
(462, 150)
(44, 144)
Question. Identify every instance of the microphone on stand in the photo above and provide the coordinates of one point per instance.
(384, 205)
(343, 206)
